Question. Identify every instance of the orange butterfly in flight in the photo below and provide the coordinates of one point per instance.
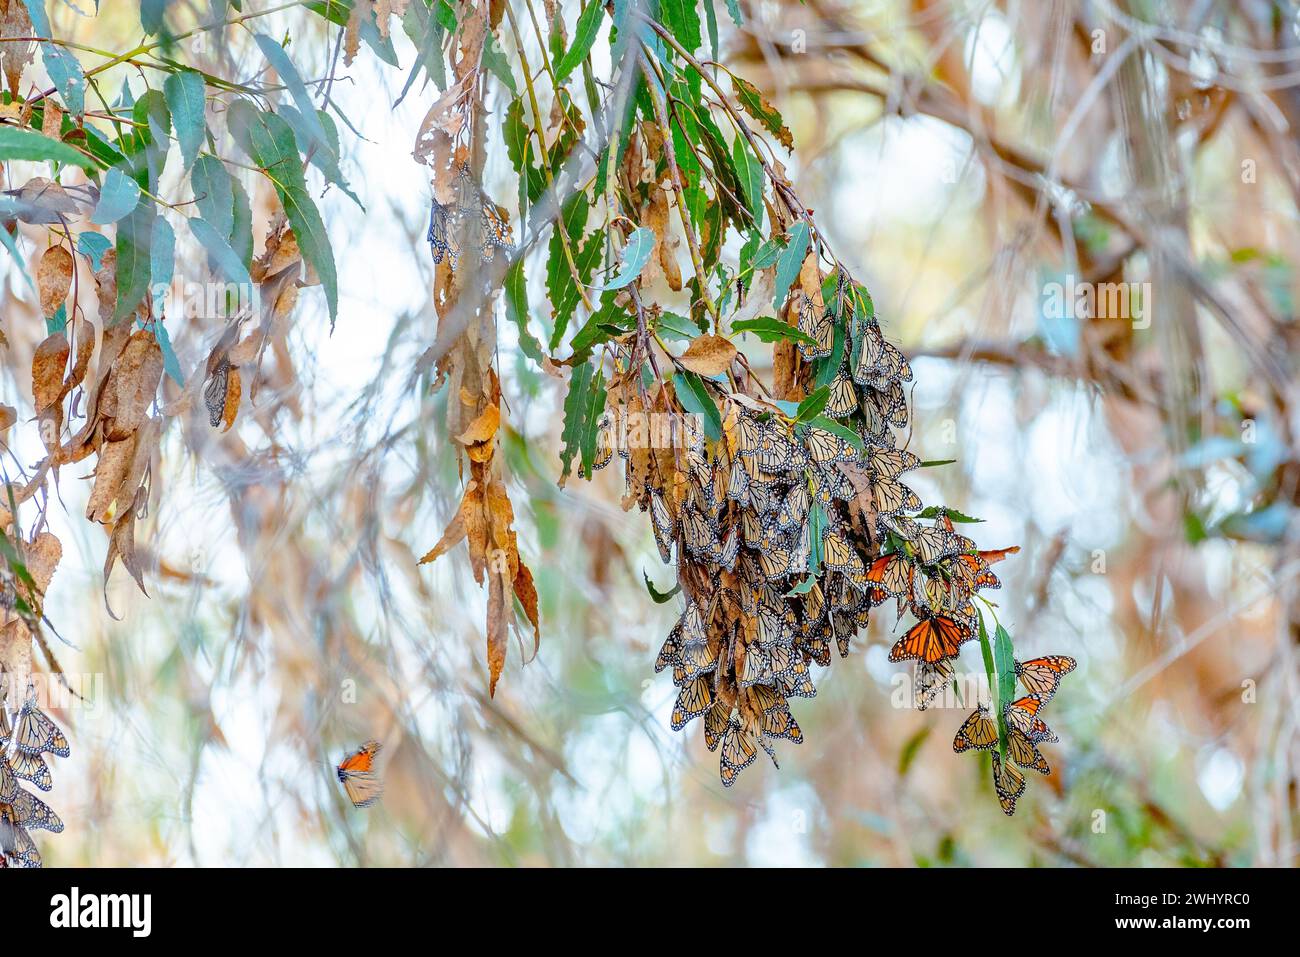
(357, 773)
(931, 639)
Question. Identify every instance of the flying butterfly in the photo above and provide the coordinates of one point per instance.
(357, 773)
(1042, 676)
(932, 638)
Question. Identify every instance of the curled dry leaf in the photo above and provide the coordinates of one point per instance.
(8, 416)
(708, 355)
(53, 278)
(483, 428)
(110, 479)
(48, 363)
(231, 407)
(133, 385)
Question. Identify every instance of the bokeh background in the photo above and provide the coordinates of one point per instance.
(962, 157)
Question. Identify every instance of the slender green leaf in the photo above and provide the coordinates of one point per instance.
(119, 195)
(134, 259)
(694, 397)
(770, 329)
(184, 93)
(657, 596)
(790, 261)
(517, 310)
(214, 193)
(16, 144)
(636, 253)
(584, 38)
(220, 252)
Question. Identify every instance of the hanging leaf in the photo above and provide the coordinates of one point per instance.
(120, 194)
(584, 38)
(757, 106)
(269, 142)
(517, 310)
(657, 596)
(582, 410)
(16, 144)
(184, 94)
(769, 329)
(636, 253)
(220, 252)
(214, 193)
(694, 397)
(790, 261)
(708, 355)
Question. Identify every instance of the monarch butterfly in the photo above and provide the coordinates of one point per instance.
(839, 556)
(829, 484)
(716, 720)
(755, 667)
(793, 511)
(890, 463)
(701, 535)
(604, 448)
(357, 773)
(665, 528)
(879, 361)
(16, 846)
(977, 731)
(738, 482)
(825, 446)
(214, 393)
(738, 752)
(931, 678)
(887, 407)
(773, 627)
(32, 812)
(972, 572)
(729, 550)
(668, 652)
(930, 639)
(843, 399)
(439, 235)
(1023, 714)
(8, 783)
(891, 496)
(36, 733)
(1042, 676)
(1025, 753)
(817, 325)
(775, 562)
(693, 700)
(780, 723)
(29, 767)
(798, 684)
(774, 452)
(1009, 783)
(890, 575)
(495, 227)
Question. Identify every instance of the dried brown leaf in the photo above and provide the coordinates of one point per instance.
(53, 278)
(48, 363)
(708, 355)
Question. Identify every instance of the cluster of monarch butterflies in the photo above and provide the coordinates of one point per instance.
(21, 748)
(1025, 730)
(471, 220)
(787, 531)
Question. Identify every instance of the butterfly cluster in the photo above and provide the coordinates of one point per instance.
(789, 527)
(1024, 729)
(469, 221)
(22, 745)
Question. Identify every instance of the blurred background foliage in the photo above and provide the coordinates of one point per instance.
(962, 157)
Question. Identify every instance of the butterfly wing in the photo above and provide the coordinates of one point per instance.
(1042, 676)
